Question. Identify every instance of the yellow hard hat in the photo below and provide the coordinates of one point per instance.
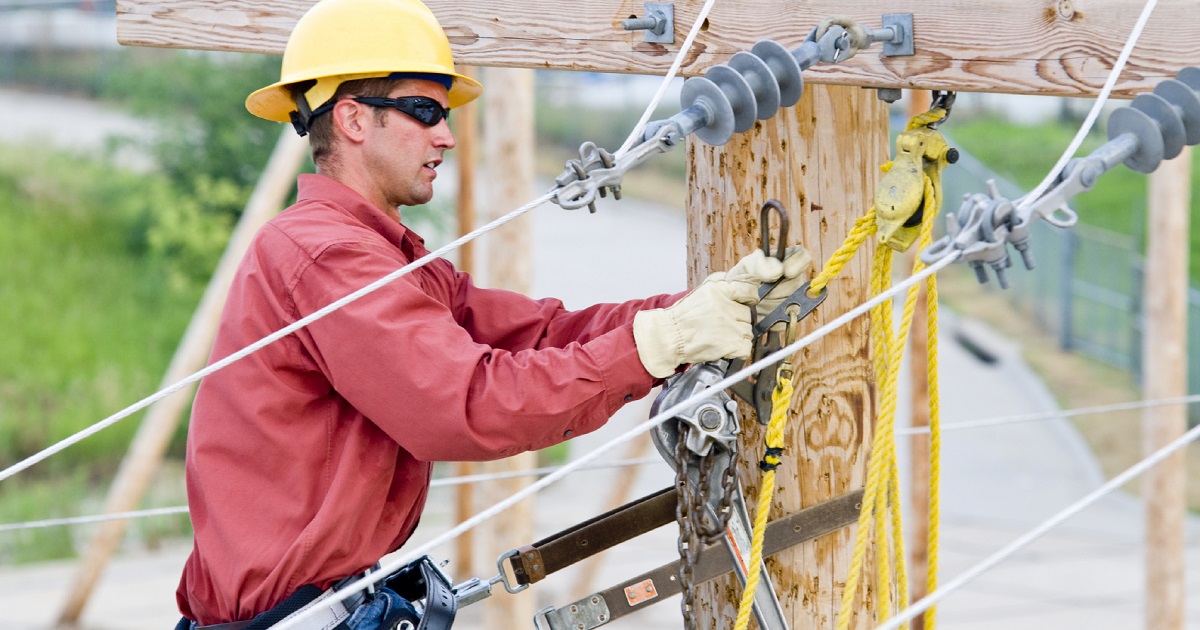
(343, 40)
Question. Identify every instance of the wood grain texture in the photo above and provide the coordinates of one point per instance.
(820, 159)
(508, 150)
(1060, 47)
(1165, 365)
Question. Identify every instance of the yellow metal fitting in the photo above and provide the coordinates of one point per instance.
(914, 174)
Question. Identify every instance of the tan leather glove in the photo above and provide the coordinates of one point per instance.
(710, 323)
(793, 271)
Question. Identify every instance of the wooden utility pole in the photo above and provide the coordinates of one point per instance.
(820, 159)
(154, 435)
(1165, 368)
(467, 133)
(508, 155)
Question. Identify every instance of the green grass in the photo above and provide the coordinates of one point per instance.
(89, 326)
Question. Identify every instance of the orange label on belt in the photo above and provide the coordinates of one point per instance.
(643, 591)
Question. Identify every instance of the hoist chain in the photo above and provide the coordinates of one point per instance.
(702, 518)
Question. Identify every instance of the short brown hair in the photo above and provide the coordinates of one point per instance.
(320, 131)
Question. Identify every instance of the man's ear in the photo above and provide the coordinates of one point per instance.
(350, 120)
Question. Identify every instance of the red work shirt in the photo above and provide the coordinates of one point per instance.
(310, 459)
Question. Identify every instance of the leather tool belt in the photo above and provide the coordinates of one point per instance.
(421, 582)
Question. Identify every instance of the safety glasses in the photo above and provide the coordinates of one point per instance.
(423, 109)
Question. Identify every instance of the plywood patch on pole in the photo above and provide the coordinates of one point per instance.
(820, 159)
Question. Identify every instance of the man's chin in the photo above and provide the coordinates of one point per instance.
(416, 200)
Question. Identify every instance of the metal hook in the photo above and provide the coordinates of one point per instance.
(942, 99)
(764, 222)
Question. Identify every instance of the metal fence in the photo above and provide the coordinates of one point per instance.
(1086, 288)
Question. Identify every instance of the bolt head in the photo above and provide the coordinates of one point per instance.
(710, 418)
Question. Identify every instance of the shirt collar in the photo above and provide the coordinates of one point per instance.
(322, 188)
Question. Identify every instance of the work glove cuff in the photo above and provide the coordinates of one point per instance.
(659, 341)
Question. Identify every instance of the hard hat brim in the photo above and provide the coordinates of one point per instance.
(275, 102)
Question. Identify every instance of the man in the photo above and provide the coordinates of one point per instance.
(310, 459)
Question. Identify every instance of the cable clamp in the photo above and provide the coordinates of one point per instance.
(986, 224)
(596, 171)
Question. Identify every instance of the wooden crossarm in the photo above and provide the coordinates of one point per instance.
(1050, 47)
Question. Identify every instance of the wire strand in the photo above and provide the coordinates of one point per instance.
(1053, 415)
(1094, 113)
(269, 339)
(436, 483)
(98, 518)
(1008, 550)
(467, 479)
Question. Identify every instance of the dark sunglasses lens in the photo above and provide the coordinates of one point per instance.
(426, 110)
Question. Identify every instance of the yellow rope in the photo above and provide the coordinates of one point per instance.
(925, 119)
(781, 397)
(880, 516)
(863, 228)
(881, 499)
(935, 436)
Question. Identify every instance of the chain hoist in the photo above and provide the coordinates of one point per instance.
(700, 442)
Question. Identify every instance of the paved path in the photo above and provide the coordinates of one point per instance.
(998, 482)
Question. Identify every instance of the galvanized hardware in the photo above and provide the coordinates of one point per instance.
(729, 98)
(900, 42)
(889, 95)
(833, 43)
(726, 100)
(757, 389)
(710, 421)
(585, 614)
(764, 237)
(942, 99)
(896, 35)
(659, 23)
(597, 171)
(1154, 127)
(475, 590)
(503, 575)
